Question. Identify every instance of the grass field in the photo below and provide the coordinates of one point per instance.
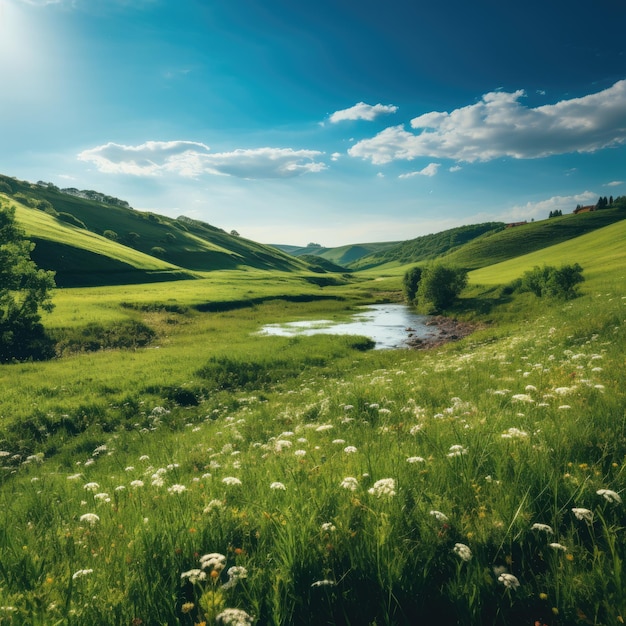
(216, 476)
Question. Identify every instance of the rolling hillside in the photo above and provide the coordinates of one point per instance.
(103, 241)
(341, 255)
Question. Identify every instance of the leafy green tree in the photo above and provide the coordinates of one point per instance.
(410, 282)
(440, 286)
(24, 290)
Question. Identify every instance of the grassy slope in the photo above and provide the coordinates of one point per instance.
(599, 252)
(341, 255)
(531, 237)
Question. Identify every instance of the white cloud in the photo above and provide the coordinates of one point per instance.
(541, 209)
(615, 183)
(192, 159)
(500, 126)
(456, 168)
(430, 170)
(362, 111)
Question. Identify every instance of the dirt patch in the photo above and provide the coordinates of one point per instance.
(445, 329)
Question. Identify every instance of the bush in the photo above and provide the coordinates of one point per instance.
(110, 234)
(552, 282)
(70, 219)
(439, 286)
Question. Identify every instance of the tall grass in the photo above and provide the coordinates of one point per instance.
(478, 483)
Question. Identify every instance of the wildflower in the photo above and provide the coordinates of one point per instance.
(350, 483)
(213, 504)
(514, 433)
(324, 583)
(583, 514)
(99, 450)
(543, 528)
(508, 580)
(279, 444)
(610, 496)
(187, 607)
(103, 497)
(339, 442)
(415, 429)
(457, 450)
(75, 477)
(235, 574)
(278, 486)
(129, 468)
(136, 484)
(349, 450)
(530, 388)
(328, 527)
(234, 617)
(558, 546)
(120, 488)
(383, 487)
(231, 481)
(177, 489)
(81, 572)
(144, 457)
(89, 518)
(462, 551)
(522, 397)
(439, 516)
(194, 575)
(415, 459)
(323, 427)
(300, 453)
(214, 560)
(91, 486)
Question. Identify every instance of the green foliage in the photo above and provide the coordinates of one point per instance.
(110, 234)
(439, 286)
(24, 291)
(410, 283)
(552, 282)
(95, 336)
(70, 219)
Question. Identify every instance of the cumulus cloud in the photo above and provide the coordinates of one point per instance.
(541, 209)
(362, 111)
(192, 159)
(499, 125)
(430, 170)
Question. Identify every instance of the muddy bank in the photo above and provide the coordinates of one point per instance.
(444, 329)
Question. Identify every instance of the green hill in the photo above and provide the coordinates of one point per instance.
(509, 243)
(341, 255)
(101, 240)
(426, 247)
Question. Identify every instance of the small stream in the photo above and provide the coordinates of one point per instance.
(389, 325)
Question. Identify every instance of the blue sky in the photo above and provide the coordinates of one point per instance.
(334, 121)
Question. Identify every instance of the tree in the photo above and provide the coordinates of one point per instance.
(410, 282)
(439, 286)
(24, 290)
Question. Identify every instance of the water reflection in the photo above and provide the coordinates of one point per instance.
(389, 325)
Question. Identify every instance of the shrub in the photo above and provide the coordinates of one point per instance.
(410, 283)
(110, 234)
(552, 282)
(70, 219)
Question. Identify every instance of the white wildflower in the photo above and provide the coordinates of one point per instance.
(610, 496)
(91, 486)
(324, 583)
(277, 486)
(300, 453)
(462, 551)
(349, 449)
(383, 487)
(234, 617)
(522, 397)
(439, 516)
(103, 497)
(350, 483)
(81, 572)
(508, 580)
(212, 505)
(177, 489)
(328, 527)
(136, 484)
(583, 514)
(231, 481)
(235, 574)
(194, 575)
(90, 518)
(543, 528)
(456, 450)
(213, 560)
(558, 546)
(415, 459)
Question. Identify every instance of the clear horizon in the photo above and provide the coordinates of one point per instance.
(337, 123)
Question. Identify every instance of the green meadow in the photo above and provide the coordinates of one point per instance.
(172, 466)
